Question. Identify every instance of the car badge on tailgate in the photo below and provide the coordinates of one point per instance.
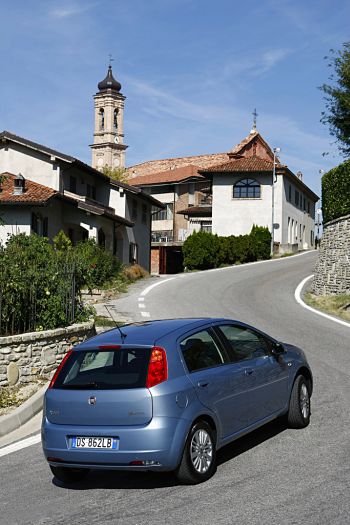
(92, 400)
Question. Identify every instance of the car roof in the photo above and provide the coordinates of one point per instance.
(146, 332)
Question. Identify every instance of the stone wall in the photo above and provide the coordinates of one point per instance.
(25, 357)
(332, 272)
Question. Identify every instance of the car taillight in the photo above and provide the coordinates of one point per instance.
(59, 368)
(157, 368)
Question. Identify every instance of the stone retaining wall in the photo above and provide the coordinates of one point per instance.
(332, 271)
(24, 357)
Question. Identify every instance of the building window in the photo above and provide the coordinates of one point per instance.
(101, 238)
(35, 223)
(45, 227)
(71, 235)
(102, 119)
(133, 253)
(115, 119)
(164, 215)
(246, 189)
(91, 191)
(72, 184)
(296, 198)
(308, 206)
(134, 210)
(144, 213)
(290, 193)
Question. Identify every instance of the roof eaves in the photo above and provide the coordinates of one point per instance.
(7, 135)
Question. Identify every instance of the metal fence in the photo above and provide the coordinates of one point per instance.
(34, 299)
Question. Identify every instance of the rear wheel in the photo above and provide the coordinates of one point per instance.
(299, 405)
(69, 475)
(198, 461)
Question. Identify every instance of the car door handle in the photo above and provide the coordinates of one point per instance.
(248, 371)
(203, 384)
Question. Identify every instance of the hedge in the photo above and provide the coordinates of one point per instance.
(203, 250)
(336, 192)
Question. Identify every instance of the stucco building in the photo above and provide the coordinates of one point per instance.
(226, 193)
(45, 191)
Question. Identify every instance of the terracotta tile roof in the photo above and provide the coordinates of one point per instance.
(34, 193)
(160, 165)
(197, 211)
(240, 164)
(243, 143)
(177, 175)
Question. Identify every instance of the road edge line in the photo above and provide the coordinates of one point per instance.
(297, 295)
(18, 445)
(149, 288)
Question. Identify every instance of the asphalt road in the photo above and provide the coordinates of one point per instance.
(274, 476)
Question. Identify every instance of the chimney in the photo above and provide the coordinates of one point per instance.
(300, 175)
(19, 184)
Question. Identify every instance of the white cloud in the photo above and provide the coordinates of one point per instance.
(71, 10)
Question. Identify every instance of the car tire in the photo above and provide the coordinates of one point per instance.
(299, 405)
(69, 475)
(198, 461)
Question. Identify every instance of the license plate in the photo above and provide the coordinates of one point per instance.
(95, 442)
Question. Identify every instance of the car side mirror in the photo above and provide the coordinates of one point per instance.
(277, 349)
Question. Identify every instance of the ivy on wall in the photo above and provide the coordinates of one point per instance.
(336, 192)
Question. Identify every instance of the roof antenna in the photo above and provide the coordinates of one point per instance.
(122, 334)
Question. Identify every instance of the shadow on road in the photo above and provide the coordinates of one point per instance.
(113, 479)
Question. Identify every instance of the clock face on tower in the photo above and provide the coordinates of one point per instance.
(116, 162)
(116, 139)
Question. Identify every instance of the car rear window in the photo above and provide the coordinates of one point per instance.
(102, 369)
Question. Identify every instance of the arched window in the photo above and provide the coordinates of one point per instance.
(115, 119)
(246, 189)
(102, 119)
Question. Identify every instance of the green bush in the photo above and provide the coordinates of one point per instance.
(40, 284)
(261, 242)
(336, 192)
(203, 250)
(95, 266)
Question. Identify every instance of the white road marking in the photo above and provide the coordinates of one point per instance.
(141, 299)
(28, 442)
(142, 305)
(297, 295)
(149, 288)
(145, 314)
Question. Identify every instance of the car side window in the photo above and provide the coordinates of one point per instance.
(201, 351)
(244, 343)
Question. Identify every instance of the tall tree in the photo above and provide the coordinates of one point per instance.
(337, 114)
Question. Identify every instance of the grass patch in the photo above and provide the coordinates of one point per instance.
(100, 320)
(338, 305)
(8, 397)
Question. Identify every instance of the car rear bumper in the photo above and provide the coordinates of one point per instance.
(158, 445)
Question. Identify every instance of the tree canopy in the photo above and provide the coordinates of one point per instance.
(119, 174)
(337, 113)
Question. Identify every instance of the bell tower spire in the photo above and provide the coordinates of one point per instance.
(108, 148)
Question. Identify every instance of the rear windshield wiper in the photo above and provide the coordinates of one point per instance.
(82, 386)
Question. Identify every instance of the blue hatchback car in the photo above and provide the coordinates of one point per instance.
(166, 395)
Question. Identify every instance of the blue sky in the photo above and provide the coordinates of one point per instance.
(192, 71)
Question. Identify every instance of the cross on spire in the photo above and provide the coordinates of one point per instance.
(111, 59)
(254, 121)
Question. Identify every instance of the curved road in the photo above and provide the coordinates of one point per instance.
(274, 476)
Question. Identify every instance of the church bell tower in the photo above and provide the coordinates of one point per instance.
(108, 148)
